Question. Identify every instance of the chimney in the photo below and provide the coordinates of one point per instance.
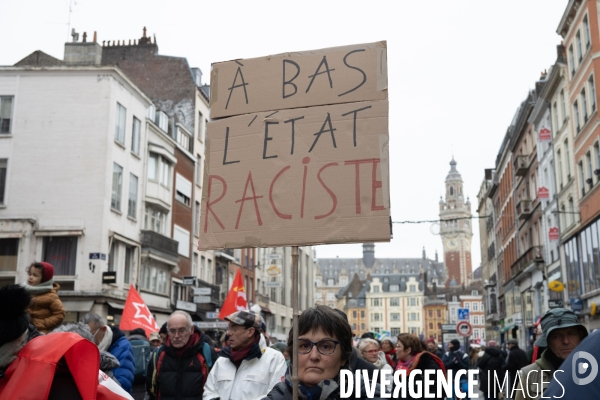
(83, 53)
(369, 254)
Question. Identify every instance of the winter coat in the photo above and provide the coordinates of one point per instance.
(253, 379)
(490, 363)
(423, 361)
(121, 349)
(531, 383)
(329, 390)
(517, 359)
(456, 361)
(46, 310)
(182, 376)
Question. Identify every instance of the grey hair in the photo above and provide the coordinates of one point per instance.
(366, 343)
(95, 318)
(179, 312)
(79, 328)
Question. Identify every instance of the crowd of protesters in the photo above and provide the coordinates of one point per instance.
(91, 360)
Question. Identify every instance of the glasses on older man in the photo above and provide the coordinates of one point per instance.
(325, 347)
(181, 331)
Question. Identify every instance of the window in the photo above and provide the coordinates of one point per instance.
(362, 314)
(568, 159)
(430, 313)
(197, 219)
(200, 130)
(135, 135)
(555, 117)
(61, 252)
(113, 255)
(117, 186)
(559, 165)
(586, 32)
(475, 306)
(395, 332)
(9, 252)
(182, 237)
(439, 313)
(375, 289)
(5, 113)
(198, 170)
(597, 158)
(155, 220)
(413, 301)
(120, 124)
(394, 288)
(588, 160)
(578, 43)
(159, 169)
(571, 60)
(395, 317)
(576, 115)
(467, 305)
(584, 105)
(3, 168)
(133, 191)
(183, 190)
(571, 214)
(476, 320)
(412, 288)
(375, 303)
(592, 92)
(394, 301)
(581, 177)
(129, 263)
(154, 279)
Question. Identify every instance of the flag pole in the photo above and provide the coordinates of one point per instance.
(295, 380)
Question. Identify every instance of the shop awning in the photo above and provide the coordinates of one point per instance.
(265, 310)
(78, 305)
(508, 328)
(118, 306)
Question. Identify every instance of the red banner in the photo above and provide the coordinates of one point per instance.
(136, 314)
(553, 234)
(236, 298)
(543, 193)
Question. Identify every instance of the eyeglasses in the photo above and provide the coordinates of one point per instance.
(372, 351)
(325, 347)
(181, 331)
(234, 328)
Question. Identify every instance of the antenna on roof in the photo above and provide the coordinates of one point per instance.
(69, 23)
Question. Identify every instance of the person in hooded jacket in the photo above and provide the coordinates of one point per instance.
(46, 310)
(490, 365)
(324, 349)
(113, 340)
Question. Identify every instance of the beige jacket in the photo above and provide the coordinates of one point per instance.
(534, 379)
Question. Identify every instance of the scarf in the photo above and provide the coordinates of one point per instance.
(555, 361)
(42, 288)
(106, 340)
(239, 355)
(405, 365)
(326, 389)
(381, 360)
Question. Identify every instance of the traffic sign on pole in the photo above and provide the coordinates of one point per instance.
(464, 328)
(463, 314)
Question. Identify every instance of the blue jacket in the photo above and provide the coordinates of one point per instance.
(574, 367)
(121, 349)
(455, 361)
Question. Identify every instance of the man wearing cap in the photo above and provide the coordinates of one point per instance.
(562, 332)
(455, 360)
(246, 367)
(517, 359)
(490, 365)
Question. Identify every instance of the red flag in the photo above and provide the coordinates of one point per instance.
(136, 314)
(236, 298)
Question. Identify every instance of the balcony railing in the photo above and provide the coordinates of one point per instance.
(533, 255)
(524, 209)
(156, 241)
(521, 165)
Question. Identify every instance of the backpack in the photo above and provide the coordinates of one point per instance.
(157, 357)
(142, 353)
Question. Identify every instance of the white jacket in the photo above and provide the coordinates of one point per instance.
(254, 379)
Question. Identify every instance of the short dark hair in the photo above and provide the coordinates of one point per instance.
(39, 266)
(330, 322)
(409, 340)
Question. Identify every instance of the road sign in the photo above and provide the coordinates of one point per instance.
(188, 281)
(463, 314)
(214, 325)
(449, 327)
(272, 284)
(274, 256)
(555, 304)
(186, 305)
(464, 328)
(201, 299)
(212, 315)
(519, 322)
(202, 291)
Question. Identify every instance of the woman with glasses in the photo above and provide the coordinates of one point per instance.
(411, 356)
(324, 348)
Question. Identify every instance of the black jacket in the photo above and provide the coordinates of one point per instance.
(183, 377)
(517, 359)
(490, 363)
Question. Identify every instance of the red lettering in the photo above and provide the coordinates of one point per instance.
(244, 198)
(208, 202)
(305, 161)
(279, 214)
(375, 185)
(333, 197)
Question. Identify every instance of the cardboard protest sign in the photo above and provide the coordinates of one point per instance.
(299, 79)
(297, 176)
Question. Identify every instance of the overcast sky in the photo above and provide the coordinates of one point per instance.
(458, 70)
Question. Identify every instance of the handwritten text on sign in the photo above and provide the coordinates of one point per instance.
(299, 79)
(306, 175)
